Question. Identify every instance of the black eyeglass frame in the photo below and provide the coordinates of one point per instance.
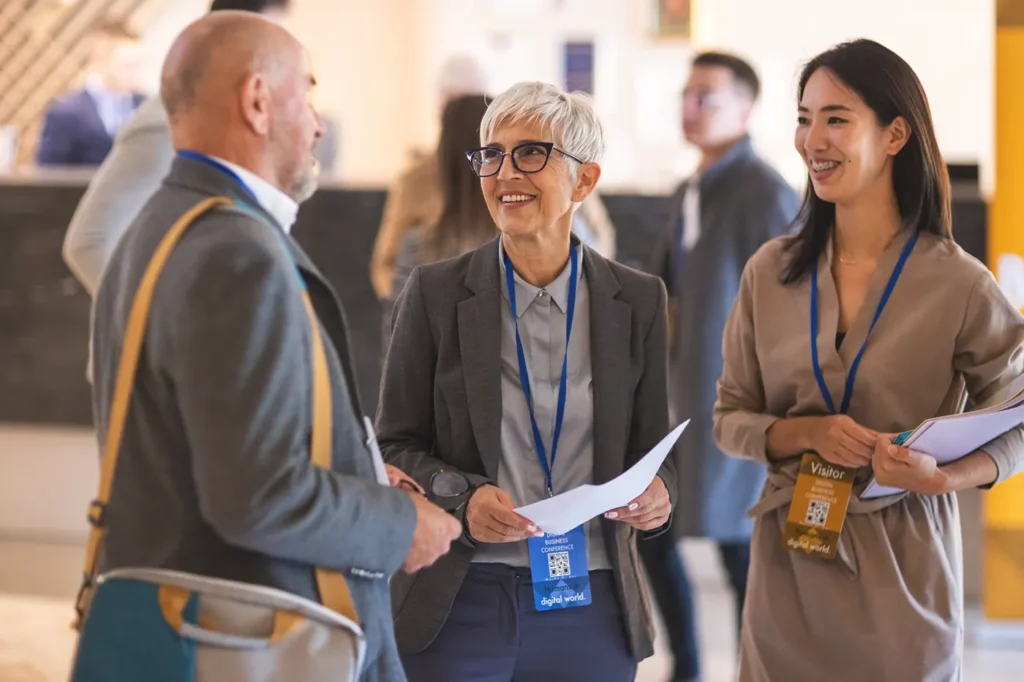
(547, 146)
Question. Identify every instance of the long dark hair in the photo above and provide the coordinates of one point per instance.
(464, 223)
(920, 179)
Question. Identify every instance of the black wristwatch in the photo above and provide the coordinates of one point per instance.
(451, 491)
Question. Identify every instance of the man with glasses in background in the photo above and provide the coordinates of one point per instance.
(720, 216)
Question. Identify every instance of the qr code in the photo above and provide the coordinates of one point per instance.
(817, 513)
(558, 565)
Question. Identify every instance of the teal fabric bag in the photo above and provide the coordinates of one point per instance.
(124, 617)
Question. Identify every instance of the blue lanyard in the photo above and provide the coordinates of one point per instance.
(203, 158)
(524, 377)
(852, 374)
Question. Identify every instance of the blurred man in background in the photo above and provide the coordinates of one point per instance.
(140, 158)
(720, 216)
(79, 128)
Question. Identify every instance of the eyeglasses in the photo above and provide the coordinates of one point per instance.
(529, 157)
(705, 100)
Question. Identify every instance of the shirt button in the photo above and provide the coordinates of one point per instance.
(542, 293)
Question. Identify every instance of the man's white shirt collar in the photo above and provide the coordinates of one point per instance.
(282, 207)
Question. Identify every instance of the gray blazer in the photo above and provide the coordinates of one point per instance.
(214, 476)
(440, 406)
(743, 203)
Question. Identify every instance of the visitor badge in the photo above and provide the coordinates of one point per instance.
(818, 510)
(561, 579)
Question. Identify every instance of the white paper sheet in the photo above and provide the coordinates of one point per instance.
(559, 514)
(950, 438)
(379, 470)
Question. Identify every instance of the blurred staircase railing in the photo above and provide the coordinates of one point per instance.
(44, 47)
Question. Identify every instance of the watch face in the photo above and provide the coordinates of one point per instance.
(448, 484)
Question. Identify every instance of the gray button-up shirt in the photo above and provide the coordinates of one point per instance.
(542, 317)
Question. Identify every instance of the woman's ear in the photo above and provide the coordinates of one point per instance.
(586, 181)
(899, 134)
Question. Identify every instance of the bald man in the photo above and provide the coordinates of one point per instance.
(215, 475)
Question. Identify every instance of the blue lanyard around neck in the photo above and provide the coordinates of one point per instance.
(524, 377)
(209, 161)
(852, 374)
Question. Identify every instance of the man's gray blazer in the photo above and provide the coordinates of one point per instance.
(440, 407)
(215, 476)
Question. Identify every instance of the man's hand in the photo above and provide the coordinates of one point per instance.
(490, 518)
(899, 467)
(399, 479)
(434, 534)
(650, 511)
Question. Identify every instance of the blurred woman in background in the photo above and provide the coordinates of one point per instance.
(463, 223)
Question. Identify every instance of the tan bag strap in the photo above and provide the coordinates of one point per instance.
(334, 592)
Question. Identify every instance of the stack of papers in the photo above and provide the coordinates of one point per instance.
(559, 514)
(947, 439)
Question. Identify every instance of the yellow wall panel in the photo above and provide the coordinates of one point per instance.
(1004, 505)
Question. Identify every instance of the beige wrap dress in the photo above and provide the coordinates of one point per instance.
(889, 608)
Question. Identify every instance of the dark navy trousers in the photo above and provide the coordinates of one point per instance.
(495, 634)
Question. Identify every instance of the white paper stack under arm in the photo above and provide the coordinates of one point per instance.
(947, 439)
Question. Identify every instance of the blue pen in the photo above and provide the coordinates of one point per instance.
(902, 438)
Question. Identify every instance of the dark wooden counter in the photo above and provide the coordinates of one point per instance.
(44, 313)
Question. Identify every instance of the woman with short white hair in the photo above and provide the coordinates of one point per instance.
(527, 368)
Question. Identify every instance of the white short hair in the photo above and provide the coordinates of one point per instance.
(568, 116)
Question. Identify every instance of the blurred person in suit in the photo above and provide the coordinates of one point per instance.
(721, 215)
(215, 475)
(79, 128)
(140, 158)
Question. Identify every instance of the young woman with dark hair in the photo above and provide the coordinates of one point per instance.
(460, 220)
(865, 323)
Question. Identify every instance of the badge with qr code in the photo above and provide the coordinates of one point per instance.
(818, 510)
(558, 563)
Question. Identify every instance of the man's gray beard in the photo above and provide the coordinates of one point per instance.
(305, 185)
